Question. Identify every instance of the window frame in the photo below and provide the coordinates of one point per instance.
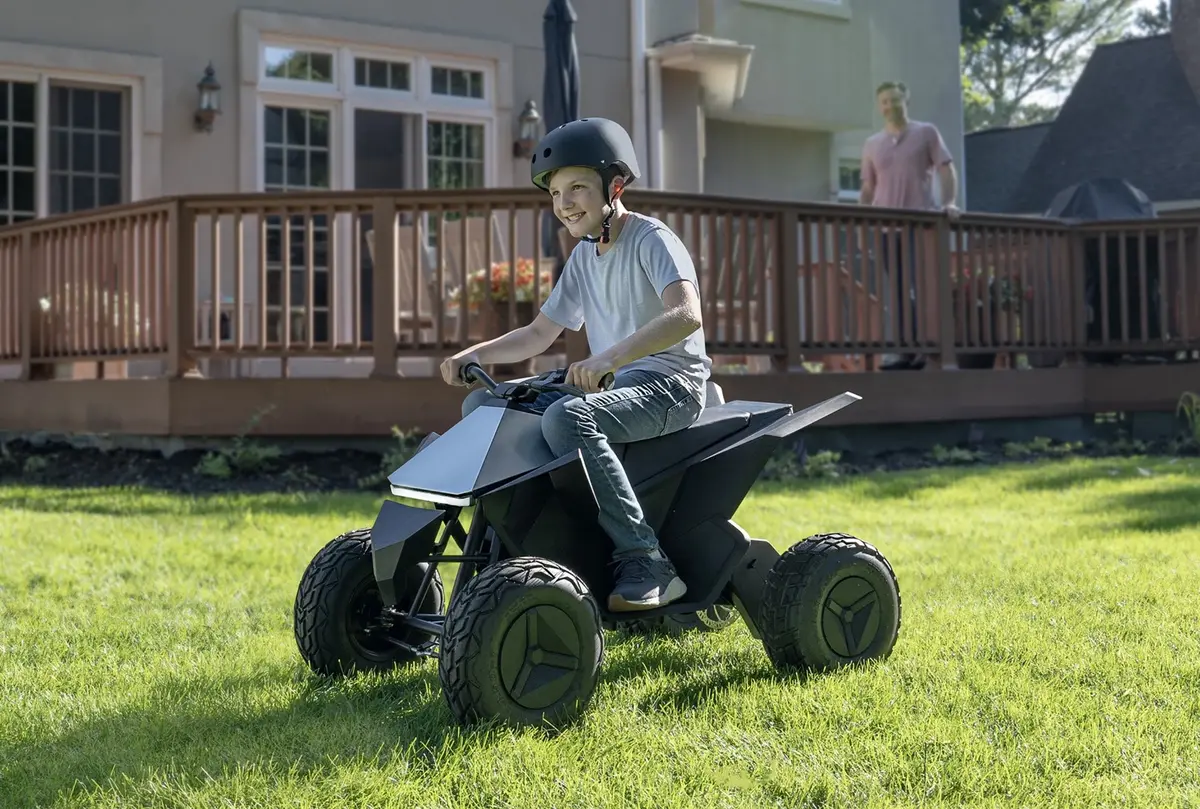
(342, 98)
(846, 195)
(132, 124)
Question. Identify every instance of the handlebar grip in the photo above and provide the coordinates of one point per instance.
(474, 371)
(467, 372)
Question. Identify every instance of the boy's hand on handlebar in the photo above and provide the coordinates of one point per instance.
(452, 369)
(588, 375)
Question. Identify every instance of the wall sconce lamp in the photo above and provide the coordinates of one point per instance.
(210, 100)
(530, 131)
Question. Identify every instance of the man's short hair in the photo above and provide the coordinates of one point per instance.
(893, 85)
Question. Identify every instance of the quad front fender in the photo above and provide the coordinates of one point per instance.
(401, 537)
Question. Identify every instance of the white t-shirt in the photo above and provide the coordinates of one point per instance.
(619, 292)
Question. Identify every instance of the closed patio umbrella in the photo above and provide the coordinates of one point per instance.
(560, 93)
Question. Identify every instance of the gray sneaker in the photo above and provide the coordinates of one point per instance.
(644, 582)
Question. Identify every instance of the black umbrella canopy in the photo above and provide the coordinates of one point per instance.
(560, 82)
(1102, 198)
(560, 92)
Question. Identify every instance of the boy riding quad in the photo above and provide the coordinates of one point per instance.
(602, 493)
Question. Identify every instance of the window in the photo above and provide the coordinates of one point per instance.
(382, 75)
(351, 118)
(454, 153)
(849, 180)
(295, 148)
(296, 65)
(18, 128)
(296, 158)
(452, 81)
(87, 148)
(450, 106)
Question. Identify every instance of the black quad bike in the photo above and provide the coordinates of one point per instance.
(523, 640)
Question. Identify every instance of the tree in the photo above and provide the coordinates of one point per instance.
(1158, 21)
(984, 19)
(1036, 49)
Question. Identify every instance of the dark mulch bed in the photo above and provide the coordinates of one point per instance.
(58, 465)
(67, 467)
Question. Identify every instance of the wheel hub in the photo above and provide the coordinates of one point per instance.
(850, 617)
(539, 657)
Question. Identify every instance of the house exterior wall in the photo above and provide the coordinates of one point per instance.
(814, 68)
(153, 54)
(162, 48)
(683, 125)
(814, 71)
(770, 162)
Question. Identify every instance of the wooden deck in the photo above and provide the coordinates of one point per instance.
(151, 294)
(370, 407)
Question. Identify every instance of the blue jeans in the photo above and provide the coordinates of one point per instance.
(640, 405)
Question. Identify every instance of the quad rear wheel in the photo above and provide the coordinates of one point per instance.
(338, 615)
(522, 644)
(831, 600)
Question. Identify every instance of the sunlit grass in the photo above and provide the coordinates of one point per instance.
(1049, 656)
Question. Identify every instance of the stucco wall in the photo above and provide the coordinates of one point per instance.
(175, 40)
(765, 162)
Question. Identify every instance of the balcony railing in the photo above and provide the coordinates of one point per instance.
(314, 274)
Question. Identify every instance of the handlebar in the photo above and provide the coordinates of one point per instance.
(472, 371)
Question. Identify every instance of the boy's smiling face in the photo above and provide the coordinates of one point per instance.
(579, 200)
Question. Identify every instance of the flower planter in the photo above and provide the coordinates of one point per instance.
(487, 296)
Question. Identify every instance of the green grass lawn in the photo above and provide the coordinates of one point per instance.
(1049, 656)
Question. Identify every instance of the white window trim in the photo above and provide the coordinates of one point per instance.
(144, 73)
(42, 77)
(295, 101)
(342, 98)
(383, 55)
(838, 9)
(257, 29)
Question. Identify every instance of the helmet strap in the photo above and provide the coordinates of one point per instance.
(606, 225)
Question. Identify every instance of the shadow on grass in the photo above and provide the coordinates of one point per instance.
(1173, 503)
(167, 734)
(1170, 508)
(403, 715)
(1170, 504)
(891, 485)
(630, 657)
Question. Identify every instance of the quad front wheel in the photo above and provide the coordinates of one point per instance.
(522, 644)
(831, 600)
(338, 616)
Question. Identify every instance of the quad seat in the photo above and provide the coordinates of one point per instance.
(645, 459)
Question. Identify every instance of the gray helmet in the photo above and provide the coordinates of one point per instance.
(596, 143)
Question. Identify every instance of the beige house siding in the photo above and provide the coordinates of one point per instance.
(811, 65)
(160, 51)
(765, 161)
(683, 124)
(815, 66)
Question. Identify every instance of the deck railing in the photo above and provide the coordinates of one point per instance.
(313, 274)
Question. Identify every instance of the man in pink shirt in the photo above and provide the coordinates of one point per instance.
(898, 164)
